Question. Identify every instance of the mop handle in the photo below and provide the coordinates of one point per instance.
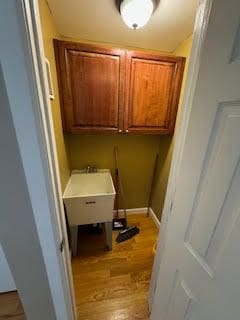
(120, 182)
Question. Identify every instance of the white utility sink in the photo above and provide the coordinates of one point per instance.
(89, 197)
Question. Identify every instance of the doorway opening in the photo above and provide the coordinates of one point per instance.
(114, 283)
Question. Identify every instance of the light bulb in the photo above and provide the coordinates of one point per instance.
(136, 13)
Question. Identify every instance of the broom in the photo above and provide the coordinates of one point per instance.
(128, 232)
(118, 223)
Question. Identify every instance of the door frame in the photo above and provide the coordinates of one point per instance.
(36, 141)
(199, 34)
(37, 50)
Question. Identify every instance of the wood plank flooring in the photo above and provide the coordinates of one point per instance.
(10, 306)
(114, 285)
(108, 285)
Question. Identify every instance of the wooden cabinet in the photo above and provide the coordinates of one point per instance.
(91, 84)
(153, 85)
(115, 90)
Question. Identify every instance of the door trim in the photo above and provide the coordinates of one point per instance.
(199, 34)
(34, 133)
(40, 72)
(38, 54)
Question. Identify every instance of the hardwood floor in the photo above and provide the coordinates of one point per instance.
(10, 306)
(114, 285)
(108, 285)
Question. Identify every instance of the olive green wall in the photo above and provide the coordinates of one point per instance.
(136, 160)
(49, 32)
(167, 143)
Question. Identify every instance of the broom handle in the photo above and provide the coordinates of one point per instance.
(116, 183)
(152, 184)
(120, 182)
(123, 198)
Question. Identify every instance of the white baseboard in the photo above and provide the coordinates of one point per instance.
(136, 210)
(155, 218)
(133, 211)
(141, 211)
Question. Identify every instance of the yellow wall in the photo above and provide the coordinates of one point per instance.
(136, 159)
(166, 143)
(49, 32)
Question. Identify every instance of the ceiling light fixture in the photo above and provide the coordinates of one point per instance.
(135, 13)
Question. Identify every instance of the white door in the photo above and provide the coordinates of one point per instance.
(6, 279)
(199, 275)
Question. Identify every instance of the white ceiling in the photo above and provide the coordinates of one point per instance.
(98, 20)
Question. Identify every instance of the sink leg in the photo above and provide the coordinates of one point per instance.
(108, 232)
(74, 239)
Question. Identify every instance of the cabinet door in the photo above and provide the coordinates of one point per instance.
(153, 88)
(91, 81)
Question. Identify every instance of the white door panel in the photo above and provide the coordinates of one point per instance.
(199, 275)
(218, 171)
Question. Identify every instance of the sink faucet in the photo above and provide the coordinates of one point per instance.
(90, 169)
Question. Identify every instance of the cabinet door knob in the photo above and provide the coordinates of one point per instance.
(119, 130)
